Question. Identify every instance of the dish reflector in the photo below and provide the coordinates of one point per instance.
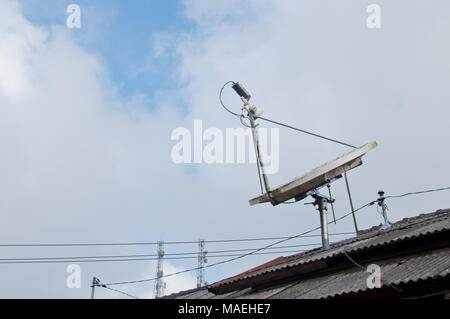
(302, 186)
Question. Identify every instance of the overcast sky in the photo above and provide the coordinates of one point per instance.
(86, 117)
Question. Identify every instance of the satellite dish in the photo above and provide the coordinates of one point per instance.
(307, 184)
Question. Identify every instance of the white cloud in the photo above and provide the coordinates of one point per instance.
(80, 164)
(178, 283)
(20, 40)
(174, 284)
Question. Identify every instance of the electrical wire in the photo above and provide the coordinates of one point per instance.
(116, 290)
(128, 257)
(271, 245)
(221, 101)
(55, 261)
(419, 192)
(156, 243)
(238, 257)
(241, 118)
(207, 266)
(361, 267)
(183, 255)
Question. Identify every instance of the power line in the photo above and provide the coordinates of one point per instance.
(210, 265)
(419, 192)
(240, 256)
(156, 243)
(210, 254)
(50, 261)
(273, 244)
(253, 250)
(196, 268)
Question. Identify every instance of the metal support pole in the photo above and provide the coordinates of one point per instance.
(255, 145)
(351, 202)
(258, 158)
(322, 206)
(331, 202)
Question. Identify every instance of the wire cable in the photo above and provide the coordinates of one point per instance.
(50, 261)
(275, 122)
(238, 257)
(116, 290)
(241, 118)
(183, 255)
(207, 266)
(419, 192)
(140, 259)
(156, 243)
(221, 101)
(361, 267)
(265, 247)
(306, 132)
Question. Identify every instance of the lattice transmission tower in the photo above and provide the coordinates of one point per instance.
(160, 285)
(201, 263)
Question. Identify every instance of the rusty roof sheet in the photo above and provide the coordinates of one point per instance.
(405, 229)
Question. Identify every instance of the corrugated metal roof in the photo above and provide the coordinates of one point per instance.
(266, 265)
(405, 229)
(393, 272)
(401, 270)
(406, 269)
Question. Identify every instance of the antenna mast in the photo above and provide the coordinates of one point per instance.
(321, 203)
(159, 284)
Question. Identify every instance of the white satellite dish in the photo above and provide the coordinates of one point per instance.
(302, 186)
(309, 183)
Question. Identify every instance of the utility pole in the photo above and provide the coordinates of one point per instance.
(201, 263)
(159, 284)
(95, 282)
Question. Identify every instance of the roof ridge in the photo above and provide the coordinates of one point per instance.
(420, 218)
